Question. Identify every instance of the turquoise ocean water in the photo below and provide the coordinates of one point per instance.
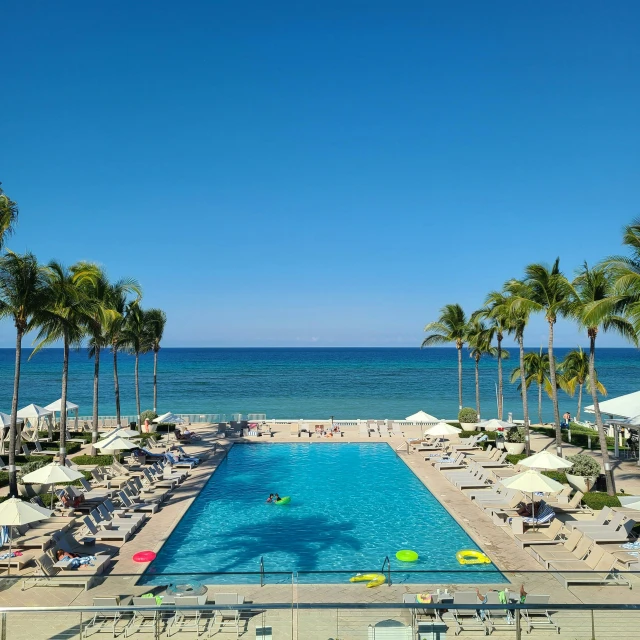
(351, 506)
(296, 383)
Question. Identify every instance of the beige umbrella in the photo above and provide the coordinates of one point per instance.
(442, 429)
(122, 432)
(545, 460)
(15, 512)
(115, 444)
(421, 416)
(531, 481)
(52, 474)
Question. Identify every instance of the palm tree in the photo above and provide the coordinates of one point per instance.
(625, 272)
(118, 300)
(594, 306)
(8, 216)
(62, 318)
(518, 319)
(22, 294)
(156, 321)
(451, 326)
(135, 336)
(93, 280)
(479, 337)
(536, 365)
(574, 372)
(545, 290)
(497, 310)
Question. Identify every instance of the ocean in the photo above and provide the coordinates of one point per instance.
(297, 382)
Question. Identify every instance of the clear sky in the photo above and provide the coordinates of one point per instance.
(329, 173)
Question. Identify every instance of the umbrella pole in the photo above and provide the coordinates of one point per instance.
(10, 543)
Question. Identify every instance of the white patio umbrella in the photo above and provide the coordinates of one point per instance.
(531, 481)
(442, 429)
(545, 460)
(15, 512)
(631, 502)
(421, 416)
(115, 444)
(495, 425)
(5, 419)
(168, 418)
(52, 473)
(122, 432)
(57, 407)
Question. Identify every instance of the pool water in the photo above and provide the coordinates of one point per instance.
(351, 506)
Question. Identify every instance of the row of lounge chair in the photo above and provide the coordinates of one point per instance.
(572, 550)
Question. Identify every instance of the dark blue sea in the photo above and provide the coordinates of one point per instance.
(296, 382)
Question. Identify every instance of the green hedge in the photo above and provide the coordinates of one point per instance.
(97, 460)
(515, 458)
(596, 500)
(579, 436)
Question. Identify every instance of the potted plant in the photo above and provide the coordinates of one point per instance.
(31, 489)
(467, 416)
(514, 441)
(583, 473)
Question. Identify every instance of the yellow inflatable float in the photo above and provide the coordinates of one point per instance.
(372, 579)
(470, 556)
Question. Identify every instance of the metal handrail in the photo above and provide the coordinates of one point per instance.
(387, 563)
(262, 571)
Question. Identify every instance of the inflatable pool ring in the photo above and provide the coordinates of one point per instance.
(470, 556)
(283, 500)
(407, 555)
(424, 598)
(144, 556)
(372, 579)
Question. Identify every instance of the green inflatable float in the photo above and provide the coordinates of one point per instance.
(406, 555)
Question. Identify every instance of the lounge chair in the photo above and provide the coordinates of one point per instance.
(142, 620)
(123, 515)
(104, 517)
(26, 538)
(604, 515)
(548, 536)
(451, 463)
(51, 576)
(610, 533)
(105, 620)
(538, 617)
(497, 618)
(110, 532)
(19, 561)
(574, 504)
(128, 505)
(396, 430)
(598, 568)
(227, 618)
(466, 619)
(467, 445)
(189, 620)
(575, 547)
(5, 467)
(480, 480)
(544, 516)
(498, 462)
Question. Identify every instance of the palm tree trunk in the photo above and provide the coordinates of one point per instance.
(579, 402)
(96, 385)
(155, 381)
(460, 378)
(540, 403)
(478, 387)
(499, 376)
(137, 381)
(13, 480)
(116, 384)
(525, 401)
(554, 392)
(608, 473)
(63, 399)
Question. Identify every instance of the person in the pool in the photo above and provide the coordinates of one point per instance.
(270, 498)
(277, 498)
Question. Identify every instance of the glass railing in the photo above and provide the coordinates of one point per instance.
(320, 605)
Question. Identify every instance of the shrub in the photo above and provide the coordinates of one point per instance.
(515, 435)
(596, 500)
(467, 414)
(584, 466)
(149, 415)
(97, 460)
(42, 461)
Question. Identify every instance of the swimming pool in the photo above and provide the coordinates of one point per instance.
(351, 506)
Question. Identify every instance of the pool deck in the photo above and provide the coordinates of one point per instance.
(496, 541)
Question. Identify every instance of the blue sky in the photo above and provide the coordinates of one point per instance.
(282, 174)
